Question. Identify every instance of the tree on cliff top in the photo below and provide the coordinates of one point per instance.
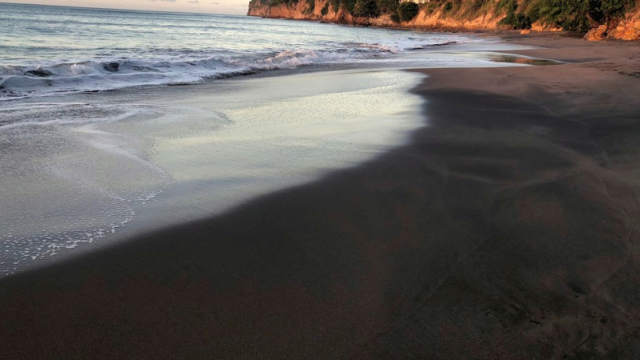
(387, 6)
(407, 11)
(366, 8)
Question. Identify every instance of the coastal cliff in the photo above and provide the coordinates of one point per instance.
(626, 28)
(617, 19)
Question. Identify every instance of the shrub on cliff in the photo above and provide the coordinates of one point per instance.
(577, 15)
(506, 6)
(388, 6)
(350, 5)
(513, 19)
(516, 21)
(452, 7)
(431, 7)
(407, 11)
(288, 3)
(612, 9)
(366, 8)
(473, 9)
(569, 14)
(335, 5)
(312, 5)
(325, 9)
(448, 7)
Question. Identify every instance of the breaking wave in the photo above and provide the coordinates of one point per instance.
(183, 67)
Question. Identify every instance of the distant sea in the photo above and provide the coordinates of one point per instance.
(46, 49)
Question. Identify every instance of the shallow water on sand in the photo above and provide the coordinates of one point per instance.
(78, 172)
(96, 166)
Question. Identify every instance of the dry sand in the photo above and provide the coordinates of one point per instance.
(506, 229)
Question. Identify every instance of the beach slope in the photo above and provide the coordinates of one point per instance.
(506, 229)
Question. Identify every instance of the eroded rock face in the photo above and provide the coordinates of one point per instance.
(626, 29)
(597, 34)
(302, 11)
(539, 26)
(629, 28)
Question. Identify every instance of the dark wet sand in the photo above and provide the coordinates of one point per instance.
(506, 229)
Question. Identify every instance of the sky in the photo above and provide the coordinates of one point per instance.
(198, 6)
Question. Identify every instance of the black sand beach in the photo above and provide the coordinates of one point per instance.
(506, 229)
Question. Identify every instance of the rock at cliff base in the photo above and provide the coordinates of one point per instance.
(597, 34)
(629, 28)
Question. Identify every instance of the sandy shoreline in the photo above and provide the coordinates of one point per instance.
(506, 229)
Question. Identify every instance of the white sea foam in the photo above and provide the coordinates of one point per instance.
(191, 67)
(67, 179)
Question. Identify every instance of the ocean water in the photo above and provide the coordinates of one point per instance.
(45, 50)
(97, 147)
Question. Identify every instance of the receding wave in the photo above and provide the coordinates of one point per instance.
(180, 67)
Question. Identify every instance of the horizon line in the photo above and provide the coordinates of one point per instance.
(118, 8)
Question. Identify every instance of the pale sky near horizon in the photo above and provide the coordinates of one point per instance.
(238, 7)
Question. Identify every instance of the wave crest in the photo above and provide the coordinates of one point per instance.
(189, 67)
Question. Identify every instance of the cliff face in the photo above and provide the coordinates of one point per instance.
(303, 11)
(625, 28)
(629, 28)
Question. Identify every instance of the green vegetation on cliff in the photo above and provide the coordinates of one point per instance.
(407, 11)
(578, 15)
(366, 8)
(573, 15)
